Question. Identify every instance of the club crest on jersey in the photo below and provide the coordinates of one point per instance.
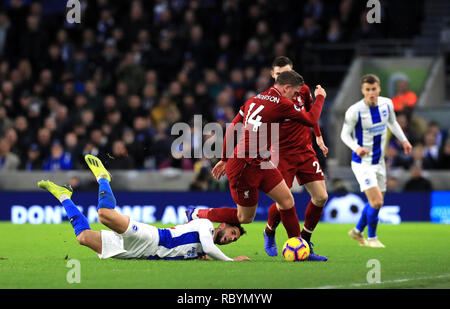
(246, 194)
(134, 227)
(384, 113)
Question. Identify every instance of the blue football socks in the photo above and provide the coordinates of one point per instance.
(106, 197)
(76, 218)
(372, 222)
(363, 219)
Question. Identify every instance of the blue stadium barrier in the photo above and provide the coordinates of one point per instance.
(169, 207)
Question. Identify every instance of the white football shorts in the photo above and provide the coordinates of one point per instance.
(138, 242)
(369, 176)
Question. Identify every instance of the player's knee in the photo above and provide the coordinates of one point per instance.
(82, 238)
(103, 215)
(245, 219)
(377, 203)
(320, 200)
(287, 202)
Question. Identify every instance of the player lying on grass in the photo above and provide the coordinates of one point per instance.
(134, 240)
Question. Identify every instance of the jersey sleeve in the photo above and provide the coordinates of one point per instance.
(230, 129)
(348, 128)
(291, 111)
(393, 125)
(306, 97)
(206, 234)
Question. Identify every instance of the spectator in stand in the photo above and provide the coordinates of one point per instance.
(59, 160)
(444, 156)
(394, 159)
(411, 134)
(126, 57)
(33, 161)
(441, 135)
(419, 159)
(417, 182)
(120, 159)
(8, 160)
(404, 100)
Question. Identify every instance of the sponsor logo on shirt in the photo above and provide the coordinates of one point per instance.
(377, 129)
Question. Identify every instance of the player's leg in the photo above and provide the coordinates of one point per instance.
(79, 222)
(376, 201)
(319, 196)
(246, 214)
(366, 177)
(91, 239)
(222, 214)
(241, 214)
(285, 203)
(106, 200)
(243, 181)
(288, 172)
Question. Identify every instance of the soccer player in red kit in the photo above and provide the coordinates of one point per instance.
(249, 173)
(298, 160)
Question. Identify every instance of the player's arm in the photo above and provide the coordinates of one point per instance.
(305, 95)
(395, 128)
(219, 169)
(210, 249)
(239, 118)
(311, 118)
(347, 133)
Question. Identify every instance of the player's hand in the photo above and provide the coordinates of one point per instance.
(219, 170)
(361, 152)
(241, 258)
(320, 91)
(321, 144)
(407, 148)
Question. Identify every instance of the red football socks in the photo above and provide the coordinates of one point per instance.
(273, 219)
(312, 217)
(218, 215)
(290, 221)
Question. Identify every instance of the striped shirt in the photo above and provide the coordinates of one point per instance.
(366, 126)
(188, 241)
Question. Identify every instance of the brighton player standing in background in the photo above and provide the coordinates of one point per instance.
(364, 132)
(297, 158)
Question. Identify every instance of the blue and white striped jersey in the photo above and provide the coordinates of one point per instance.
(366, 126)
(188, 241)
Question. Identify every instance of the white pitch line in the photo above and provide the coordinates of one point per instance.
(382, 282)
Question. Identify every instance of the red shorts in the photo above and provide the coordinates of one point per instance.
(246, 179)
(305, 166)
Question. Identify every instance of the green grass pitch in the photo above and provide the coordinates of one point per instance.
(417, 255)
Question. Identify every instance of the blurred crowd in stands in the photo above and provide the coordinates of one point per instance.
(114, 84)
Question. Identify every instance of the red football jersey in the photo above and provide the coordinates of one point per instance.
(295, 137)
(257, 116)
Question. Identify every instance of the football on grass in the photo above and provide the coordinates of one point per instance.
(295, 249)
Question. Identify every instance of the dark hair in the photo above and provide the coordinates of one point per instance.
(289, 78)
(370, 79)
(281, 62)
(238, 225)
